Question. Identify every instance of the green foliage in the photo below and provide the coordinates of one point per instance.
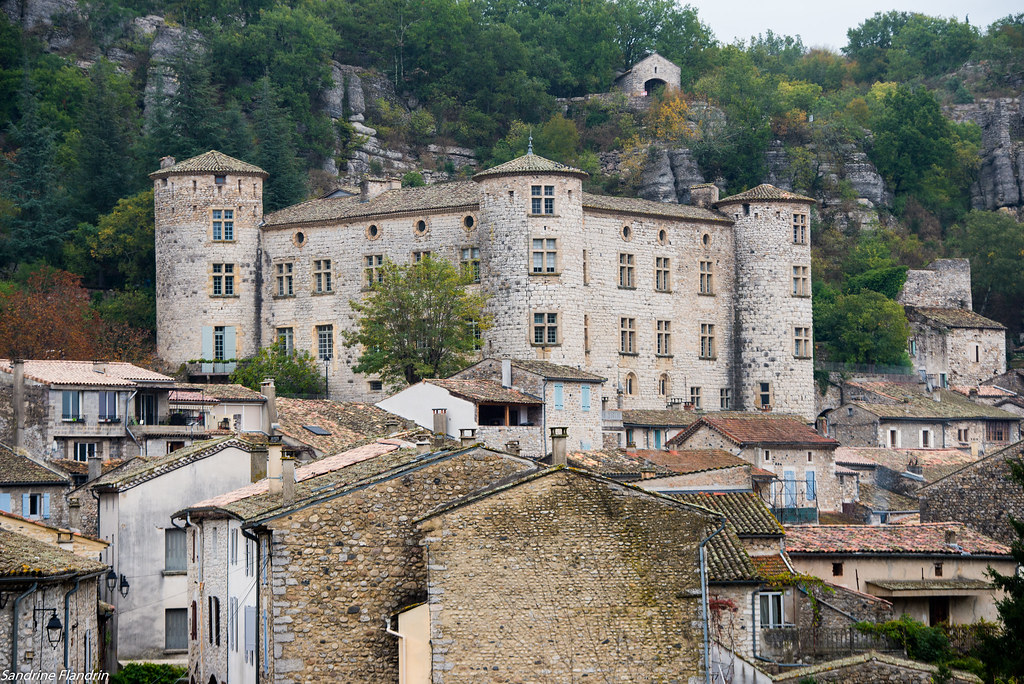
(887, 281)
(994, 243)
(119, 250)
(148, 673)
(866, 327)
(275, 151)
(294, 373)
(418, 322)
(413, 179)
(921, 642)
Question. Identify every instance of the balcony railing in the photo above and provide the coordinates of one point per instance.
(790, 644)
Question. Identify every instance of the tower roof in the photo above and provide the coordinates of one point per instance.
(210, 162)
(766, 192)
(530, 163)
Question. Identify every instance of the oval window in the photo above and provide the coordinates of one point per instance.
(421, 226)
(300, 238)
(468, 222)
(372, 231)
(662, 236)
(627, 232)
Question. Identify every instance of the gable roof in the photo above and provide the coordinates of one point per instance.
(530, 163)
(745, 510)
(880, 499)
(952, 318)
(484, 391)
(23, 556)
(918, 538)
(659, 417)
(682, 461)
(617, 464)
(17, 469)
(896, 400)
(206, 392)
(934, 463)
(555, 371)
(102, 374)
(120, 481)
(765, 192)
(210, 162)
(348, 424)
(758, 429)
(1011, 452)
(642, 207)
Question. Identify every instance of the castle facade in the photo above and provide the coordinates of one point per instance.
(708, 305)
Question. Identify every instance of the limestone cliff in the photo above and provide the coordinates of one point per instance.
(1001, 176)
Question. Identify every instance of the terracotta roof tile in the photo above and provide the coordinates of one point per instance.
(107, 374)
(927, 538)
(659, 417)
(985, 391)
(902, 400)
(210, 162)
(745, 510)
(756, 429)
(229, 392)
(17, 469)
(349, 423)
(555, 371)
(880, 499)
(22, 556)
(694, 460)
(952, 318)
(728, 560)
(484, 391)
(770, 566)
(530, 163)
(617, 463)
(765, 192)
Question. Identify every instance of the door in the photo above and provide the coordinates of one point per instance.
(938, 610)
(145, 409)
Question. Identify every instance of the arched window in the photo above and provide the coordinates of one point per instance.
(630, 385)
(663, 385)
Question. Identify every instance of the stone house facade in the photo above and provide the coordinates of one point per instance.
(648, 75)
(870, 668)
(31, 490)
(707, 303)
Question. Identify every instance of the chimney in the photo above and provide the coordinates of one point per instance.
(74, 513)
(274, 465)
(559, 436)
(506, 373)
(65, 540)
(166, 162)
(268, 390)
(467, 436)
(373, 186)
(512, 447)
(422, 446)
(704, 195)
(647, 474)
(95, 468)
(390, 426)
(618, 398)
(974, 450)
(19, 403)
(441, 422)
(951, 536)
(99, 366)
(972, 393)
(288, 478)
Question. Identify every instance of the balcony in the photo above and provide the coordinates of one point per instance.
(172, 424)
(802, 644)
(86, 426)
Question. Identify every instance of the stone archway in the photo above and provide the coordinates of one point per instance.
(654, 86)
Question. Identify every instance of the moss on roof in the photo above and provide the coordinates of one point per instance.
(17, 469)
(196, 451)
(229, 392)
(745, 510)
(952, 318)
(555, 371)
(910, 401)
(616, 464)
(349, 423)
(659, 417)
(210, 162)
(22, 556)
(634, 205)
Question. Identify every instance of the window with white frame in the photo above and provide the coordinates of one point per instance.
(223, 224)
(71, 405)
(285, 279)
(545, 255)
(325, 342)
(772, 616)
(545, 328)
(542, 199)
(220, 343)
(84, 451)
(108, 407)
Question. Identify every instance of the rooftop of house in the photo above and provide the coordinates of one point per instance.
(745, 510)
(832, 668)
(485, 392)
(209, 162)
(72, 467)
(659, 417)
(23, 556)
(982, 391)
(555, 371)
(7, 518)
(728, 560)
(952, 318)
(85, 373)
(530, 163)
(766, 192)
(950, 584)
(121, 479)
(771, 565)
(346, 424)
(851, 456)
(682, 461)
(934, 463)
(18, 469)
(920, 538)
(880, 499)
(758, 429)
(896, 400)
(205, 393)
(1012, 452)
(617, 463)
(1012, 379)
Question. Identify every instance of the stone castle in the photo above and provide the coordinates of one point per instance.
(706, 305)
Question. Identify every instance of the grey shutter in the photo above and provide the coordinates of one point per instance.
(250, 629)
(229, 348)
(5, 502)
(207, 353)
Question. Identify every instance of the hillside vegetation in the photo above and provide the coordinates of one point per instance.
(93, 96)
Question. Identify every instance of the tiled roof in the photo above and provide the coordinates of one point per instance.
(174, 460)
(616, 462)
(530, 163)
(984, 391)
(424, 199)
(765, 192)
(16, 469)
(909, 401)
(771, 566)
(634, 205)
(745, 510)
(349, 423)
(22, 556)
(880, 499)
(727, 560)
(932, 584)
(852, 456)
(659, 417)
(694, 460)
(114, 373)
(228, 393)
(210, 162)
(555, 371)
(934, 463)
(925, 538)
(953, 318)
(73, 467)
(830, 669)
(1014, 451)
(756, 429)
(40, 525)
(485, 391)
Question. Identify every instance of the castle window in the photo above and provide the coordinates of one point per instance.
(420, 227)
(802, 343)
(707, 284)
(545, 255)
(725, 398)
(627, 233)
(801, 281)
(469, 258)
(299, 239)
(764, 395)
(662, 274)
(322, 281)
(220, 333)
(542, 199)
(468, 222)
(223, 280)
(220, 180)
(373, 269)
(664, 385)
(707, 341)
(286, 340)
(630, 386)
(662, 237)
(545, 328)
(627, 336)
(705, 239)
(223, 224)
(376, 386)
(626, 267)
(976, 353)
(586, 269)
(586, 333)
(417, 257)
(695, 397)
(325, 342)
(372, 232)
(799, 229)
(285, 279)
(664, 335)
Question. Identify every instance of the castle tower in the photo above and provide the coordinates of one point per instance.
(772, 358)
(531, 240)
(208, 210)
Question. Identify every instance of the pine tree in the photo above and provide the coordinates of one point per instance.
(275, 151)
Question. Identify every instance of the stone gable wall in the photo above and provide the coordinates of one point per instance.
(945, 283)
(951, 351)
(561, 575)
(654, 66)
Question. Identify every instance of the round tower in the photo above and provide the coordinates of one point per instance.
(773, 364)
(208, 210)
(531, 241)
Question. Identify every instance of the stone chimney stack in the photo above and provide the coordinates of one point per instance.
(704, 195)
(506, 373)
(422, 446)
(65, 540)
(19, 403)
(559, 437)
(95, 467)
(166, 162)
(74, 513)
(288, 478)
(373, 186)
(467, 436)
(274, 466)
(441, 422)
(268, 390)
(951, 536)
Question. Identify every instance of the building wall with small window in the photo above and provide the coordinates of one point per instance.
(855, 426)
(42, 502)
(965, 356)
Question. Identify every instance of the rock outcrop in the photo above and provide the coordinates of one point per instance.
(1001, 175)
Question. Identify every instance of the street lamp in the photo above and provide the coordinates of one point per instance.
(124, 587)
(111, 579)
(54, 629)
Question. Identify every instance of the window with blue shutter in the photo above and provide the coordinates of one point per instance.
(229, 348)
(250, 634)
(5, 503)
(585, 397)
(657, 439)
(207, 353)
(559, 396)
(46, 505)
(812, 486)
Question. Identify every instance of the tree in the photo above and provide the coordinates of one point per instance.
(119, 249)
(275, 151)
(994, 242)
(295, 372)
(418, 321)
(1005, 652)
(866, 327)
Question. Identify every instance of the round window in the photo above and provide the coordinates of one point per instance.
(706, 239)
(468, 222)
(372, 231)
(421, 227)
(662, 236)
(299, 238)
(627, 233)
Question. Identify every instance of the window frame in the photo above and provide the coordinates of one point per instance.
(662, 274)
(696, 398)
(627, 336)
(708, 345)
(284, 272)
(706, 270)
(71, 406)
(175, 541)
(373, 270)
(222, 224)
(772, 610)
(542, 200)
(323, 276)
(801, 342)
(286, 339)
(800, 228)
(223, 275)
(801, 281)
(627, 271)
(544, 256)
(549, 327)
(469, 260)
(663, 337)
(324, 342)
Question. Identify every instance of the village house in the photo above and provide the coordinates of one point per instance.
(32, 490)
(801, 459)
(708, 303)
(706, 470)
(934, 572)
(910, 416)
(77, 543)
(653, 428)
(650, 75)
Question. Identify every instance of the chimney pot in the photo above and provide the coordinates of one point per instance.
(274, 467)
(166, 162)
(467, 436)
(951, 536)
(288, 478)
(441, 422)
(95, 467)
(559, 437)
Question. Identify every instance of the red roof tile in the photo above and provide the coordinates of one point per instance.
(770, 566)
(928, 538)
(102, 374)
(758, 430)
(693, 460)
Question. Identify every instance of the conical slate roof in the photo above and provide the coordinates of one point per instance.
(765, 192)
(210, 162)
(530, 163)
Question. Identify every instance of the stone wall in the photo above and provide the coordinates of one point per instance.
(945, 283)
(952, 352)
(871, 669)
(561, 575)
(651, 67)
(36, 416)
(58, 516)
(981, 495)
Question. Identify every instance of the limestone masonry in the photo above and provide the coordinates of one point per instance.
(706, 304)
